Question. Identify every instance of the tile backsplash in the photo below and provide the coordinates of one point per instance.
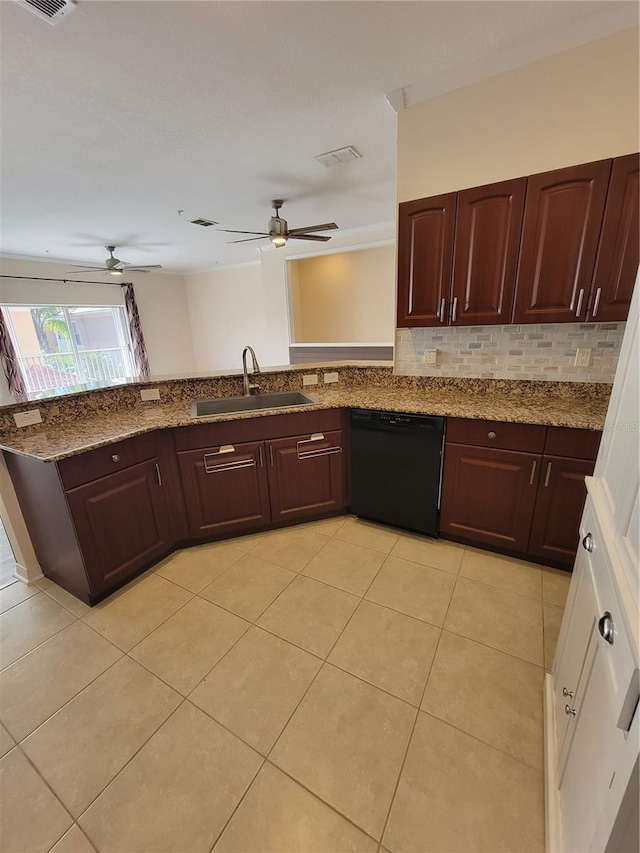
(543, 352)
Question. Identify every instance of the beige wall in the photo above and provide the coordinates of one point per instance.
(577, 106)
(346, 297)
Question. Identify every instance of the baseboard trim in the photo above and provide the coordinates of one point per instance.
(28, 576)
(553, 827)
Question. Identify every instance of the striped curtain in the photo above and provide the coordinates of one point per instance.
(10, 363)
(137, 338)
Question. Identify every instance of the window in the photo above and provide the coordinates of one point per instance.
(63, 346)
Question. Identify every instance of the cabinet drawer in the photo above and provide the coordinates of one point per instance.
(89, 466)
(506, 436)
(574, 443)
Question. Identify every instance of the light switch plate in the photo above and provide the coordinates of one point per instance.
(310, 379)
(149, 393)
(32, 416)
(431, 356)
(331, 377)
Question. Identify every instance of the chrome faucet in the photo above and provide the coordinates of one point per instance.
(248, 387)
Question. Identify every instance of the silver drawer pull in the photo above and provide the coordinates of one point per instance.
(587, 543)
(315, 436)
(491, 434)
(224, 448)
(115, 458)
(324, 451)
(605, 626)
(567, 693)
(229, 466)
(533, 471)
(569, 710)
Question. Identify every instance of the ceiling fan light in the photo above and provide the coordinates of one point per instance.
(278, 240)
(115, 272)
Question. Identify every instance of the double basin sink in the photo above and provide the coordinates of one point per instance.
(233, 405)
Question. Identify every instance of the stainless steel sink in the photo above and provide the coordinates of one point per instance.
(230, 405)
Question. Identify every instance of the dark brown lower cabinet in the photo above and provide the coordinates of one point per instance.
(488, 495)
(560, 501)
(306, 475)
(225, 488)
(122, 523)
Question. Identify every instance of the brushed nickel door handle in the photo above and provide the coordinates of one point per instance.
(441, 311)
(580, 298)
(454, 309)
(533, 471)
(158, 474)
(596, 302)
(546, 479)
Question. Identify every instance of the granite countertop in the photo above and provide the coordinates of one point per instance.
(52, 442)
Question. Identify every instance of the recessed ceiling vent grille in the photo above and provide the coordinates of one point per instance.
(205, 223)
(49, 10)
(338, 157)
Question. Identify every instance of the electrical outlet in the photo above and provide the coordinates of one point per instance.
(431, 356)
(32, 416)
(149, 393)
(330, 377)
(583, 357)
(310, 379)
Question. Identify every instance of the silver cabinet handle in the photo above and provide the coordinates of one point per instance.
(454, 309)
(569, 710)
(115, 458)
(580, 298)
(491, 434)
(568, 693)
(158, 474)
(261, 456)
(308, 454)
(271, 454)
(224, 448)
(605, 626)
(596, 302)
(587, 543)
(533, 471)
(546, 479)
(230, 466)
(441, 311)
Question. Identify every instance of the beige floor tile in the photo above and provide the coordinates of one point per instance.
(387, 649)
(194, 568)
(73, 841)
(185, 647)
(77, 607)
(14, 593)
(256, 687)
(291, 548)
(278, 815)
(458, 794)
(368, 534)
(346, 566)
(346, 742)
(32, 818)
(327, 526)
(245, 543)
(416, 590)
(488, 694)
(504, 620)
(6, 741)
(555, 586)
(552, 618)
(82, 747)
(128, 616)
(503, 572)
(309, 614)
(248, 587)
(436, 553)
(177, 793)
(40, 683)
(28, 624)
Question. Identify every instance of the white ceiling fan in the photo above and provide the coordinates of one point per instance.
(114, 266)
(279, 232)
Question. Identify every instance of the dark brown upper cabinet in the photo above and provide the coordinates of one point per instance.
(561, 229)
(618, 255)
(487, 240)
(425, 258)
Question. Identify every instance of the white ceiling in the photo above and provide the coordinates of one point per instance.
(125, 112)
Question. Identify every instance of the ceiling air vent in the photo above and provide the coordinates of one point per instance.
(205, 223)
(338, 157)
(49, 10)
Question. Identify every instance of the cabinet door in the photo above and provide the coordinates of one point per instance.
(488, 495)
(225, 488)
(617, 263)
(562, 220)
(559, 504)
(487, 239)
(122, 523)
(306, 475)
(425, 256)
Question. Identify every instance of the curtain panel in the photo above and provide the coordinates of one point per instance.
(137, 338)
(10, 363)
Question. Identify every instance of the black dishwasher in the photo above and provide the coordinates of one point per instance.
(396, 461)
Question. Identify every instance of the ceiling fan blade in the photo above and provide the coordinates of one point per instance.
(327, 226)
(146, 267)
(85, 267)
(227, 231)
(247, 239)
(316, 237)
